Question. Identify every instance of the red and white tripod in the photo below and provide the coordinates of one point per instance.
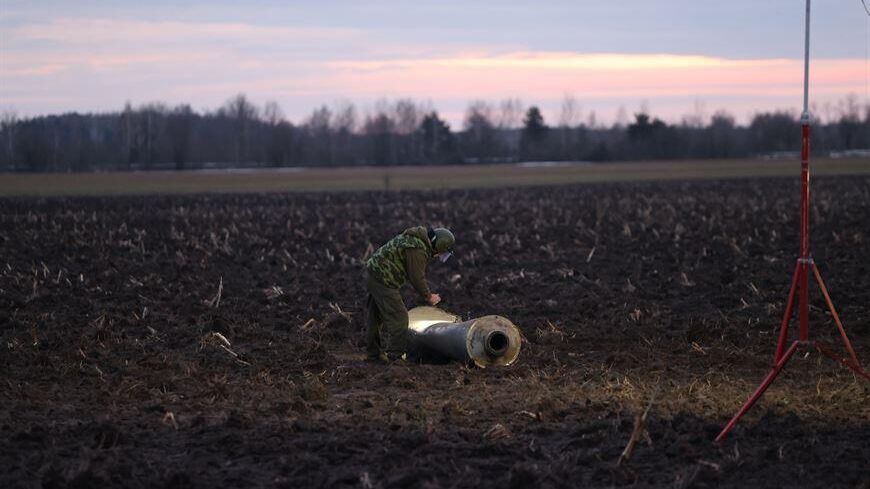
(801, 278)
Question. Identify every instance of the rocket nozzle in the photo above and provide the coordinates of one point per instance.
(496, 343)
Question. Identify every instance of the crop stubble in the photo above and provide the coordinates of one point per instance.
(201, 340)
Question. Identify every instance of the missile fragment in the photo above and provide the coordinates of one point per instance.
(486, 341)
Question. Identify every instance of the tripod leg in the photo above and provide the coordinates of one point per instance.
(855, 368)
(804, 303)
(759, 391)
(836, 316)
(786, 317)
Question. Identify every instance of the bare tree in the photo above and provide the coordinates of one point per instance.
(272, 113)
(344, 124)
(849, 123)
(479, 131)
(478, 115)
(243, 113)
(274, 118)
(380, 130)
(400, 131)
(569, 116)
(698, 118)
(180, 129)
(569, 119)
(406, 116)
(644, 107)
(510, 113)
(319, 119)
(318, 128)
(848, 108)
(8, 124)
(279, 134)
(591, 120)
(721, 136)
(621, 120)
(150, 129)
(345, 117)
(127, 127)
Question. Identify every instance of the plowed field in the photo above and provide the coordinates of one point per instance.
(114, 370)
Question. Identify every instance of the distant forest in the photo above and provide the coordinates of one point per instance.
(403, 132)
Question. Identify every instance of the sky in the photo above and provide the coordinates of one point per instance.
(675, 58)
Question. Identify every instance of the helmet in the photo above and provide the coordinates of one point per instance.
(442, 240)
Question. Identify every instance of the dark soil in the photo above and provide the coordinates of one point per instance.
(114, 370)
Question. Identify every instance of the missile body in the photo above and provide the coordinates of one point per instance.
(436, 335)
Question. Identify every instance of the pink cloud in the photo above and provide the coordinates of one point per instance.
(118, 61)
(535, 75)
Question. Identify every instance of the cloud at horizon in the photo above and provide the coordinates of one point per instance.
(68, 63)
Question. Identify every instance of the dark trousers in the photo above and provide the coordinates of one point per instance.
(387, 320)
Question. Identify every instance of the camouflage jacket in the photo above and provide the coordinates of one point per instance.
(404, 257)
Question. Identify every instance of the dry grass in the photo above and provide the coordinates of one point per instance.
(403, 178)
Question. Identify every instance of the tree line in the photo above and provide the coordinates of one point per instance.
(402, 132)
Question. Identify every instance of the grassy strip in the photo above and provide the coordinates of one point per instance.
(404, 178)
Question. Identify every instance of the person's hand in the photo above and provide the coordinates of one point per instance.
(434, 299)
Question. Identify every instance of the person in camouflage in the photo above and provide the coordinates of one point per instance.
(402, 258)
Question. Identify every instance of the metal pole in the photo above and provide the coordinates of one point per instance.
(806, 113)
(805, 260)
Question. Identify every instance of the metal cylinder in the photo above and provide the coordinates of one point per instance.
(485, 341)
